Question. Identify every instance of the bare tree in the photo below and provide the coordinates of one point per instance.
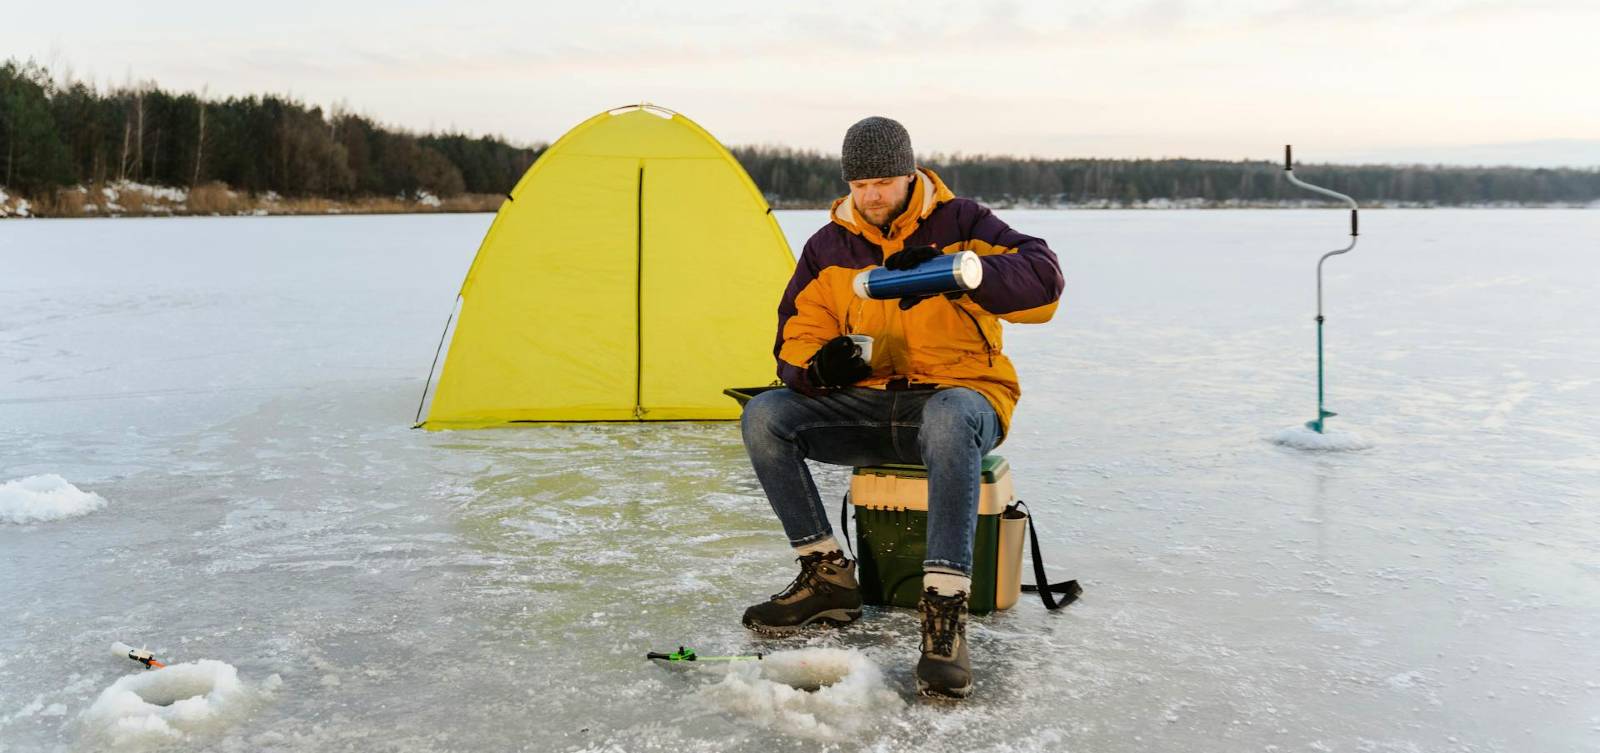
(200, 140)
(138, 148)
(127, 134)
(11, 148)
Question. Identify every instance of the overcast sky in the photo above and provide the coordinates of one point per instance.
(1416, 81)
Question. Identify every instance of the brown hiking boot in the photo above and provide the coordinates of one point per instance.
(824, 593)
(945, 669)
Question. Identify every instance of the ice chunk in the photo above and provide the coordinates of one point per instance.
(821, 693)
(1333, 440)
(168, 704)
(37, 499)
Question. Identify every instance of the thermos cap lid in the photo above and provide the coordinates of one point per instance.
(969, 270)
(859, 284)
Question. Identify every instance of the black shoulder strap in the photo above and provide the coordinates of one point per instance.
(844, 523)
(1069, 590)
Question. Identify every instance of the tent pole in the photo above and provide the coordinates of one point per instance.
(436, 352)
(638, 301)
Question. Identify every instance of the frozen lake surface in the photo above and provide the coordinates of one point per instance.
(239, 393)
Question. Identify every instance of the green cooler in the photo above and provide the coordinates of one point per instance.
(891, 511)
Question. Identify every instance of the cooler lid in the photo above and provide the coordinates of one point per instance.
(994, 466)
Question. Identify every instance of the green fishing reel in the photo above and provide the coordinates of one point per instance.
(682, 654)
(688, 654)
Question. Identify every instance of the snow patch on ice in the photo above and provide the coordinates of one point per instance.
(1516, 393)
(172, 703)
(1405, 680)
(826, 694)
(1333, 440)
(38, 499)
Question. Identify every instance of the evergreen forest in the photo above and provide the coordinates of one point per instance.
(57, 133)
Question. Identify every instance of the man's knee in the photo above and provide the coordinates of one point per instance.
(956, 413)
(766, 414)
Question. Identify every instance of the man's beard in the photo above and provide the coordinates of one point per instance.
(893, 212)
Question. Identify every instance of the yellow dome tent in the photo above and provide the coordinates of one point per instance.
(633, 274)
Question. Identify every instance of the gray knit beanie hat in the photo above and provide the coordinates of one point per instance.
(876, 147)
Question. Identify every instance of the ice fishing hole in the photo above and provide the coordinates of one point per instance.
(175, 687)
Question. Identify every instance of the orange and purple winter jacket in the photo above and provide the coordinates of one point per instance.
(939, 341)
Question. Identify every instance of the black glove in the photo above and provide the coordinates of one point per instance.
(907, 258)
(838, 363)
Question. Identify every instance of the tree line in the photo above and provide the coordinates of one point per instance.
(55, 134)
(63, 133)
(798, 178)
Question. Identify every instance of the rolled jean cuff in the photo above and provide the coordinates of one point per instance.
(812, 539)
(964, 569)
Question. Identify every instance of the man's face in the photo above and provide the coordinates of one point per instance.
(880, 200)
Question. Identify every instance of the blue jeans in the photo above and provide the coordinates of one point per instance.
(947, 430)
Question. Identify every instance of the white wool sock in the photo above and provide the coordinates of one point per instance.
(946, 583)
(826, 545)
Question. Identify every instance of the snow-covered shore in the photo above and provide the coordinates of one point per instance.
(132, 199)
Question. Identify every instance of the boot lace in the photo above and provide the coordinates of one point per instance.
(809, 576)
(941, 621)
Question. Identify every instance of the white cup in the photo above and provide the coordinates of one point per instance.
(865, 343)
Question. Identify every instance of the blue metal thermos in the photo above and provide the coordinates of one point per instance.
(946, 273)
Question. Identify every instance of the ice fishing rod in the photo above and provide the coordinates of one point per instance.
(1288, 170)
(688, 654)
(143, 656)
